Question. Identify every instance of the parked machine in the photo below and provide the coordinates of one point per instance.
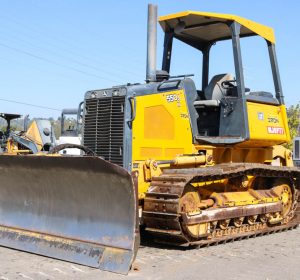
(71, 129)
(38, 137)
(4, 134)
(191, 167)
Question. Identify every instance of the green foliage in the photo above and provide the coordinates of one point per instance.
(16, 125)
(293, 114)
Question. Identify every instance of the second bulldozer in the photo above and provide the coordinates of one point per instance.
(206, 164)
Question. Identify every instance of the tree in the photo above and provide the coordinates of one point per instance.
(293, 114)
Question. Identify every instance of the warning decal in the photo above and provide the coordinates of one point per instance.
(275, 130)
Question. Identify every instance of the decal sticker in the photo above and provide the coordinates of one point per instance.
(260, 116)
(273, 119)
(172, 98)
(184, 116)
(275, 130)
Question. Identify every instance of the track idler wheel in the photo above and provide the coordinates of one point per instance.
(190, 203)
(190, 200)
(286, 196)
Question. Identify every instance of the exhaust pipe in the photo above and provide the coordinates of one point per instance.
(151, 43)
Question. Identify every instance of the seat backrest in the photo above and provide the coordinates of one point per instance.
(214, 90)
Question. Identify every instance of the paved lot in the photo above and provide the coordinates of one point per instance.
(276, 256)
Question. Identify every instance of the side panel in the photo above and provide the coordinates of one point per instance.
(162, 128)
(267, 124)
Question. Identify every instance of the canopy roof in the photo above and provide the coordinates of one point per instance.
(210, 27)
(9, 116)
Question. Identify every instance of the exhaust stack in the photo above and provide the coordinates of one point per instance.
(151, 43)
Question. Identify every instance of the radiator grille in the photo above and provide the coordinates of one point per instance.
(104, 127)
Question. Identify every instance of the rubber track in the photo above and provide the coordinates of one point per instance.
(161, 206)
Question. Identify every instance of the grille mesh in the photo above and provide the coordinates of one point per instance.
(104, 127)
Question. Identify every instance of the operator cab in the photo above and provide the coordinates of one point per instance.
(71, 121)
(224, 111)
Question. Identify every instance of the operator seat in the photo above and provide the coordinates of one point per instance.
(213, 92)
(208, 110)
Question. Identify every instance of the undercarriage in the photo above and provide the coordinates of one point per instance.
(221, 203)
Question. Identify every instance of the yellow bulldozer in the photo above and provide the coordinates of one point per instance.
(188, 166)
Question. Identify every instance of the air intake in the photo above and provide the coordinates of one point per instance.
(104, 127)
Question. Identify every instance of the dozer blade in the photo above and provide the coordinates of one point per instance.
(78, 209)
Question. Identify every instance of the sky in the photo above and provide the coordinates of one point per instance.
(52, 52)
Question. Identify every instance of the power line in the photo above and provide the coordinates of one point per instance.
(42, 41)
(55, 73)
(76, 61)
(69, 50)
(55, 63)
(28, 104)
(65, 21)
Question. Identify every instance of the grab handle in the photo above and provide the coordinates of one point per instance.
(132, 101)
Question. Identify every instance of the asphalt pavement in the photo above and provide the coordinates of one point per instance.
(276, 256)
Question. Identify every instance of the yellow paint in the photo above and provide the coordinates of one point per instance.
(161, 128)
(285, 121)
(194, 161)
(257, 28)
(207, 183)
(33, 134)
(251, 153)
(173, 152)
(159, 122)
(144, 175)
(267, 124)
(284, 154)
(198, 230)
(241, 198)
(285, 197)
(150, 152)
(161, 131)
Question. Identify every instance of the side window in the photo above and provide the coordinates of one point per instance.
(221, 59)
(256, 65)
(186, 60)
(255, 60)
